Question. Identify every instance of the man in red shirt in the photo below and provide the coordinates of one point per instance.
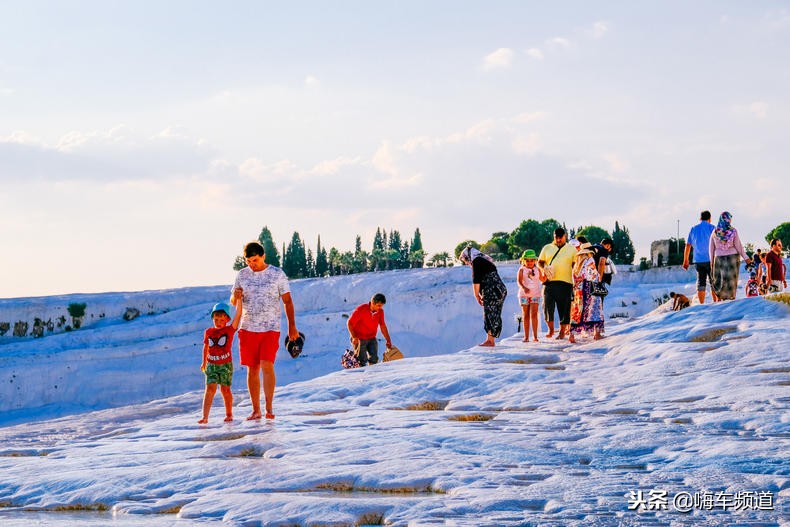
(776, 269)
(363, 325)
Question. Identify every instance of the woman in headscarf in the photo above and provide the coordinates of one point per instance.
(586, 308)
(490, 292)
(725, 251)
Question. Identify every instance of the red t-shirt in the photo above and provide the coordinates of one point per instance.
(364, 323)
(219, 341)
(777, 267)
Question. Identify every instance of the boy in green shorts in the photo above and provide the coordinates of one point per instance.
(217, 357)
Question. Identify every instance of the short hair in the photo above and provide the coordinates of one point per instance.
(672, 294)
(607, 241)
(253, 249)
(774, 241)
(379, 298)
(559, 232)
(582, 239)
(705, 216)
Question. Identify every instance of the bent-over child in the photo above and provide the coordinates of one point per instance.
(217, 357)
(681, 301)
(529, 283)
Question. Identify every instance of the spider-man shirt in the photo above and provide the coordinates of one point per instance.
(219, 341)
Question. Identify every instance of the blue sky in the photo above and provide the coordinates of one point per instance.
(143, 143)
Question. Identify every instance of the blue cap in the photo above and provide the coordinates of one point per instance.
(221, 306)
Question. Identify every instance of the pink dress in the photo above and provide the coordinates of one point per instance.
(531, 279)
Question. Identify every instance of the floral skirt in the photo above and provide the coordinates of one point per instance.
(586, 309)
(725, 276)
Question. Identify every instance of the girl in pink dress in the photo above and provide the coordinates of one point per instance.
(529, 282)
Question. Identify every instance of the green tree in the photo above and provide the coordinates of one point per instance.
(295, 258)
(310, 264)
(358, 245)
(265, 239)
(395, 259)
(441, 259)
(239, 263)
(360, 262)
(378, 241)
(497, 246)
(780, 232)
(321, 261)
(461, 246)
(377, 260)
(623, 246)
(333, 262)
(531, 234)
(593, 233)
(392, 257)
(416, 241)
(676, 248)
(417, 259)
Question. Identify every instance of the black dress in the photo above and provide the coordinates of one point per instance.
(493, 292)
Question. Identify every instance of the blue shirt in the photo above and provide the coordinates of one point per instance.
(699, 238)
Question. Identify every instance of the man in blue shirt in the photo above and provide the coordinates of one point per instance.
(699, 238)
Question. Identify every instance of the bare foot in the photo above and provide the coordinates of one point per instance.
(487, 344)
(254, 415)
(525, 339)
(571, 339)
(560, 336)
(228, 418)
(549, 335)
(203, 421)
(535, 339)
(269, 415)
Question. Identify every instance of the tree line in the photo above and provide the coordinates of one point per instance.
(389, 251)
(534, 234)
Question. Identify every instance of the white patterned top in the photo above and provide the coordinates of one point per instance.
(262, 292)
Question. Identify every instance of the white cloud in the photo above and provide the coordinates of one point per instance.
(529, 145)
(535, 53)
(599, 29)
(759, 109)
(226, 97)
(558, 43)
(21, 137)
(756, 109)
(616, 164)
(580, 164)
(333, 166)
(525, 118)
(311, 81)
(778, 19)
(256, 170)
(499, 59)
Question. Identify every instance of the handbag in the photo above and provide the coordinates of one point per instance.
(349, 360)
(599, 289)
(392, 353)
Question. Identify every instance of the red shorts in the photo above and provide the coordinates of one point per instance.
(255, 347)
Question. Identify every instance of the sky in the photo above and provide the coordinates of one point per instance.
(143, 143)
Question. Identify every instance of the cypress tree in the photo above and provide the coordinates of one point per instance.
(265, 239)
